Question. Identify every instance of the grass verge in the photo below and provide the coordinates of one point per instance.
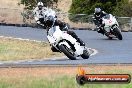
(57, 77)
(11, 49)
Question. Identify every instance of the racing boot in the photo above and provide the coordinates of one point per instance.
(80, 41)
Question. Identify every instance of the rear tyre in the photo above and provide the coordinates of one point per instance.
(65, 50)
(85, 54)
(118, 33)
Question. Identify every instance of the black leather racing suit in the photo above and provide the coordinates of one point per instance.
(98, 21)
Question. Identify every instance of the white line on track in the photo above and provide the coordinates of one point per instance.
(92, 51)
(19, 39)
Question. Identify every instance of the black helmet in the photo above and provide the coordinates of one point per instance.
(50, 21)
(98, 11)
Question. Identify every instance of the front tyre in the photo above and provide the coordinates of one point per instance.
(118, 33)
(67, 52)
(85, 54)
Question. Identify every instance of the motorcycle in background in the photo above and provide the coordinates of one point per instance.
(111, 27)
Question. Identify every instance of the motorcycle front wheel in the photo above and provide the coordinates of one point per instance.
(118, 33)
(68, 52)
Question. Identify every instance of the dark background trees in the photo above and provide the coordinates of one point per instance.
(116, 7)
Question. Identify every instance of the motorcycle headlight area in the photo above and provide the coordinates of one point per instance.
(107, 16)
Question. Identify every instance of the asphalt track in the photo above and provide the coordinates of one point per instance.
(109, 51)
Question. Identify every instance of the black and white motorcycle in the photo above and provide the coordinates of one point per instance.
(65, 43)
(111, 27)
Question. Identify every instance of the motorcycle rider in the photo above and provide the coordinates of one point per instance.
(98, 14)
(63, 27)
(40, 15)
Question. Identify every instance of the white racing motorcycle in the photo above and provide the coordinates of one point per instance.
(63, 42)
(111, 27)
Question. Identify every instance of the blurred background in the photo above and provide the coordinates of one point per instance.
(20, 12)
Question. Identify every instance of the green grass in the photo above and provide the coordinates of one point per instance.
(11, 49)
(57, 77)
(60, 82)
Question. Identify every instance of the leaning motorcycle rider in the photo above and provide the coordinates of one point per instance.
(41, 13)
(98, 14)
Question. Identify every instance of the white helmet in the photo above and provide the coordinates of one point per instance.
(40, 4)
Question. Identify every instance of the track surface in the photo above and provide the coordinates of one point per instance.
(109, 51)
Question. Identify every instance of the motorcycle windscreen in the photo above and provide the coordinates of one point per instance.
(51, 31)
(107, 16)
